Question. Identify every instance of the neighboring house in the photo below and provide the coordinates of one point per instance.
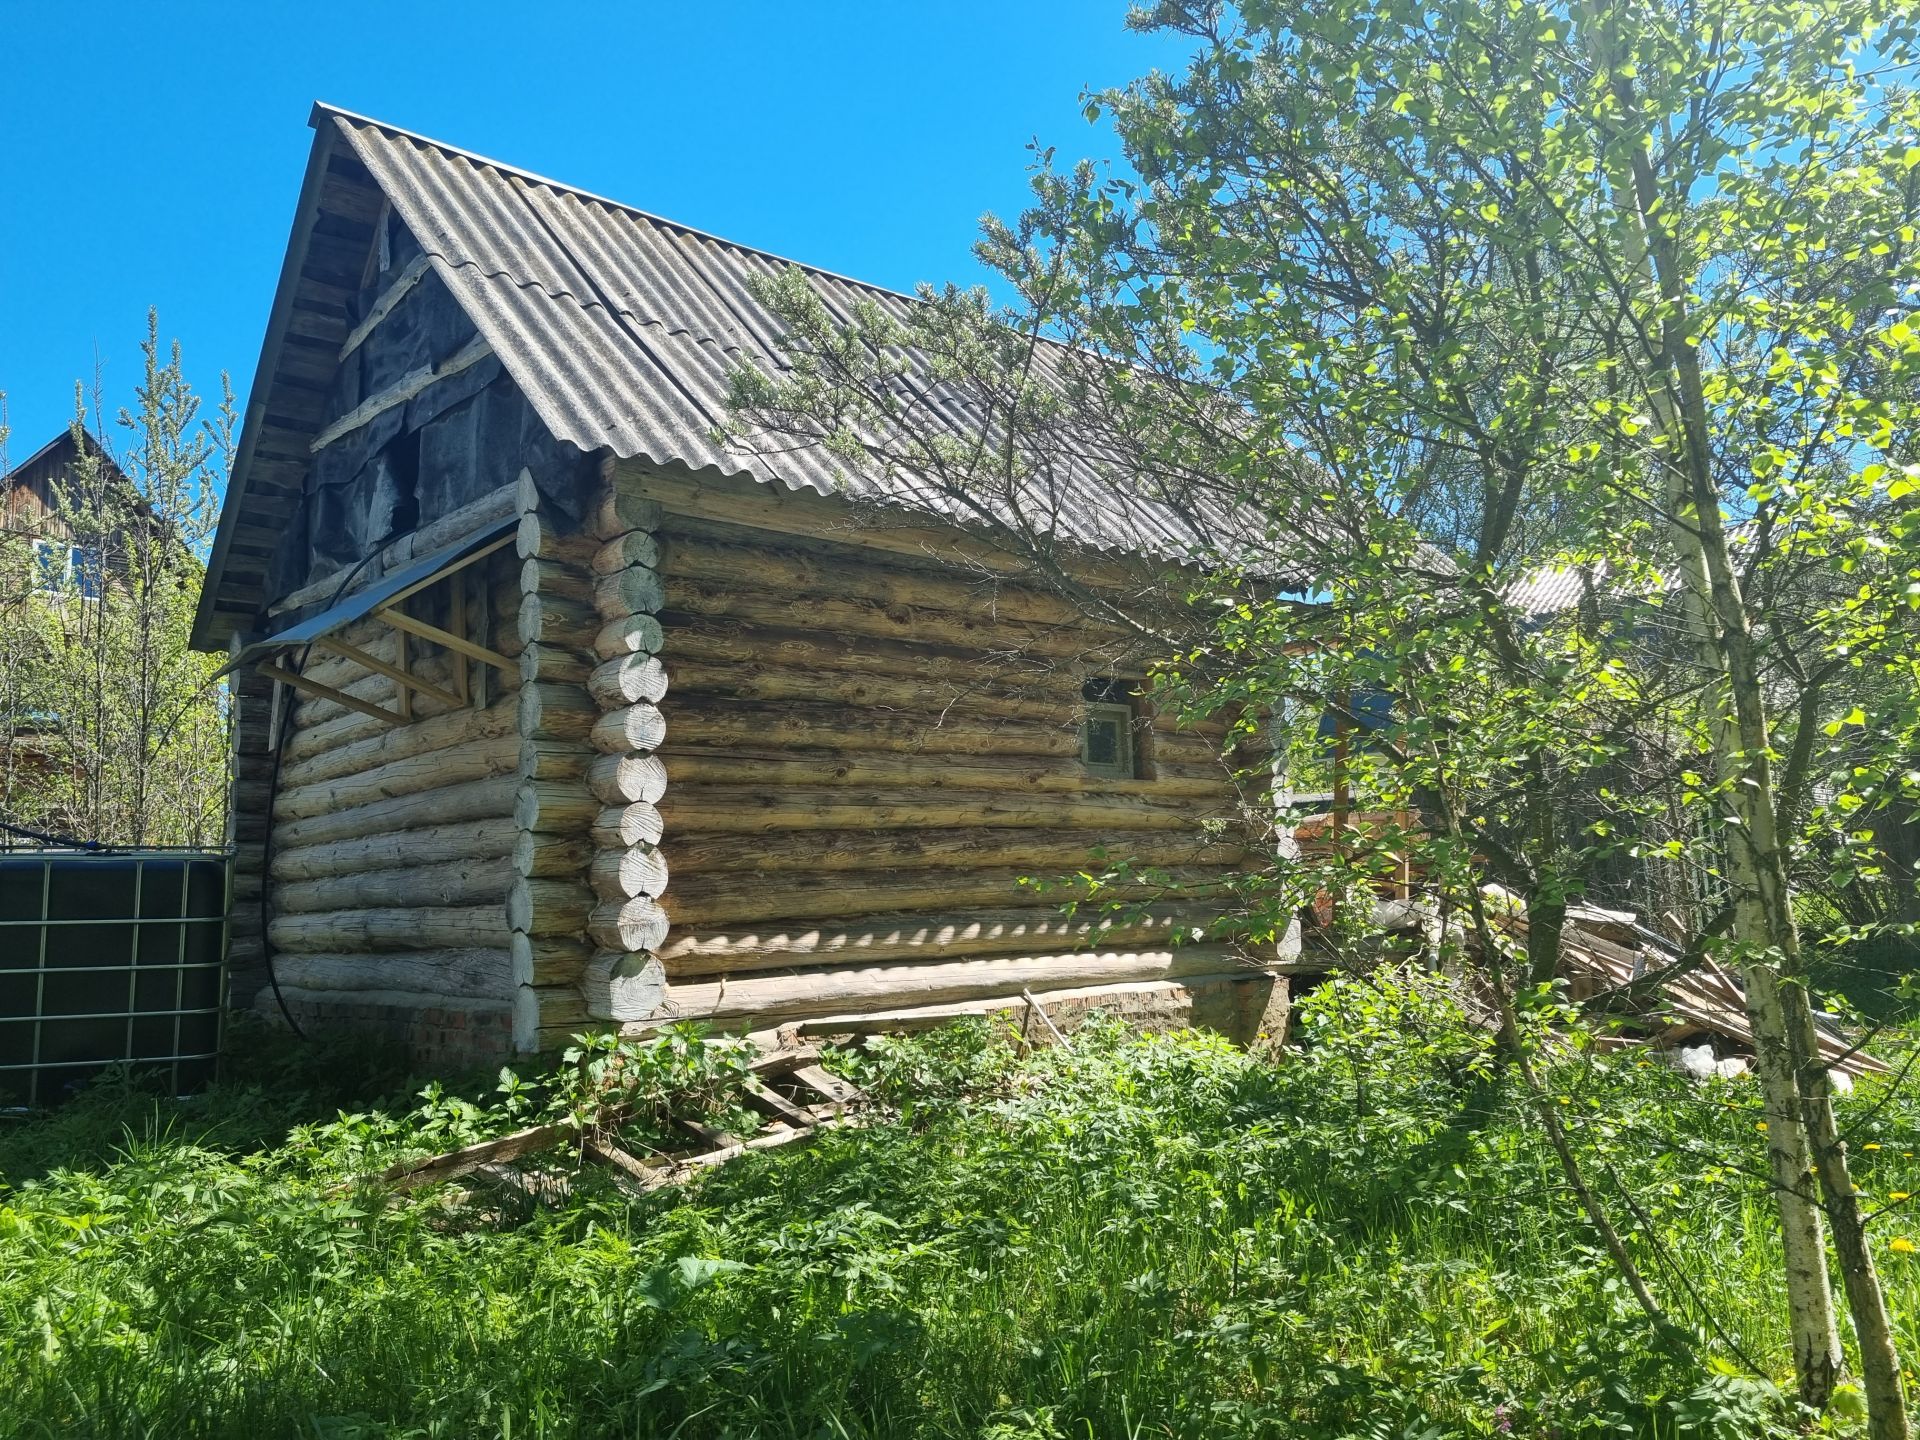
(31, 508)
(40, 560)
(553, 712)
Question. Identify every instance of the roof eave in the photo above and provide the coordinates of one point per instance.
(306, 211)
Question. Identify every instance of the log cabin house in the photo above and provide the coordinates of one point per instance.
(553, 712)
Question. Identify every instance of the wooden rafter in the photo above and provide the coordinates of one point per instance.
(326, 692)
(413, 625)
(399, 675)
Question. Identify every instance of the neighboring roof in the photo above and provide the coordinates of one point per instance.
(1553, 588)
(620, 328)
(42, 472)
(61, 441)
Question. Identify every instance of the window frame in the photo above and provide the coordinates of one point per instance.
(1124, 766)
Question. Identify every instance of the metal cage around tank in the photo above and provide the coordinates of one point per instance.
(107, 958)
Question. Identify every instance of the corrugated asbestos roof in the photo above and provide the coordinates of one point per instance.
(622, 329)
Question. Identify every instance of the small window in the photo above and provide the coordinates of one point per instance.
(83, 571)
(50, 557)
(65, 567)
(1106, 740)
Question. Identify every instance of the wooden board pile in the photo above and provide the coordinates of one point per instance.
(798, 1095)
(1607, 950)
(1601, 951)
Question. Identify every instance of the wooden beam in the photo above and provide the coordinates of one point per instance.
(400, 620)
(453, 569)
(395, 673)
(327, 692)
(401, 391)
(383, 307)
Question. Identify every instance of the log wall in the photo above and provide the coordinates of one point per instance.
(393, 846)
(828, 754)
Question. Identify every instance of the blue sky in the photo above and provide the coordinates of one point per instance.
(153, 152)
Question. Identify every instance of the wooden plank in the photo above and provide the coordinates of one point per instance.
(458, 565)
(400, 620)
(327, 692)
(401, 391)
(837, 1092)
(396, 292)
(399, 674)
(768, 1101)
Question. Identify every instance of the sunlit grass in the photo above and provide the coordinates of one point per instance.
(1141, 1237)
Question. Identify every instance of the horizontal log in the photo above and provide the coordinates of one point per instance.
(481, 973)
(1053, 700)
(359, 931)
(618, 986)
(548, 907)
(546, 759)
(624, 874)
(730, 901)
(1046, 851)
(636, 547)
(316, 712)
(454, 526)
(899, 530)
(841, 572)
(745, 809)
(627, 779)
(390, 743)
(473, 800)
(388, 849)
(778, 769)
(459, 882)
(628, 635)
(635, 590)
(1122, 998)
(693, 953)
(911, 623)
(548, 855)
(548, 959)
(792, 646)
(375, 1002)
(551, 578)
(767, 999)
(550, 1007)
(626, 679)
(621, 508)
(628, 925)
(558, 712)
(619, 826)
(639, 726)
(555, 807)
(551, 620)
(721, 724)
(411, 774)
(553, 664)
(539, 538)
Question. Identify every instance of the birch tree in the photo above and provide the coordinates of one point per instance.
(1448, 296)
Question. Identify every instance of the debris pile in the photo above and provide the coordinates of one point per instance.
(798, 1096)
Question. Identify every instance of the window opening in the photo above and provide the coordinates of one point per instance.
(1108, 726)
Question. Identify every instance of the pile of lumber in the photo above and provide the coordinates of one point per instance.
(1607, 950)
(798, 1096)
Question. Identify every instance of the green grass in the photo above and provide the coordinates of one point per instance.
(1141, 1237)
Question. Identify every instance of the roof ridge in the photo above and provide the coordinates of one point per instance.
(321, 109)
